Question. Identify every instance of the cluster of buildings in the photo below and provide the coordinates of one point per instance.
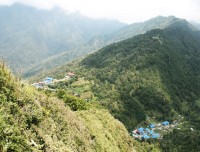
(42, 84)
(48, 81)
(150, 132)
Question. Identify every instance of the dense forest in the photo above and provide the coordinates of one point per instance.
(154, 74)
(181, 140)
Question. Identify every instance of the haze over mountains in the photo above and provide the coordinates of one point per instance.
(33, 40)
(29, 35)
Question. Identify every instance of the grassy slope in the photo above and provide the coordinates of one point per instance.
(31, 121)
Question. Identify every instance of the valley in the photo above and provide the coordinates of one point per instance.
(73, 83)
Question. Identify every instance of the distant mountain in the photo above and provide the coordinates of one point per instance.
(154, 74)
(100, 41)
(29, 35)
(159, 22)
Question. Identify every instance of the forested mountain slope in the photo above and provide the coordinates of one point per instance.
(29, 35)
(100, 41)
(155, 74)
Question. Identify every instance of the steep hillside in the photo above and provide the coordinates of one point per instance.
(32, 121)
(100, 41)
(29, 35)
(155, 74)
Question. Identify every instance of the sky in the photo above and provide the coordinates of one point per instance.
(129, 11)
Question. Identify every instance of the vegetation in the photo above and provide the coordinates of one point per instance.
(100, 41)
(181, 140)
(73, 102)
(155, 74)
(33, 121)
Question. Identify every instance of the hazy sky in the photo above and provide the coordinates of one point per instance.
(124, 10)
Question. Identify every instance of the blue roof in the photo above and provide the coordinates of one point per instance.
(152, 126)
(145, 136)
(141, 130)
(48, 78)
(151, 132)
(147, 129)
(156, 135)
(165, 123)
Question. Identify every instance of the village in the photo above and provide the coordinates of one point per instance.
(157, 130)
(51, 81)
(71, 83)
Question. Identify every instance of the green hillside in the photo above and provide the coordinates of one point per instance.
(155, 74)
(150, 77)
(100, 41)
(32, 121)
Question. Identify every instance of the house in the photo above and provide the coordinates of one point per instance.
(151, 132)
(145, 136)
(48, 80)
(159, 124)
(155, 136)
(67, 77)
(141, 130)
(147, 129)
(135, 131)
(70, 74)
(152, 126)
(165, 123)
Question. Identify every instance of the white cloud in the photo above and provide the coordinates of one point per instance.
(124, 10)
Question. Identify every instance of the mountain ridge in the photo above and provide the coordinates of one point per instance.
(100, 41)
(31, 35)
